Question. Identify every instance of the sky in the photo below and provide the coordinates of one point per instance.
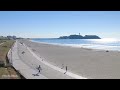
(52, 24)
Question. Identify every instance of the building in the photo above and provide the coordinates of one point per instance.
(11, 37)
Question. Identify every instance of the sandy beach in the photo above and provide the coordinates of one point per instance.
(84, 62)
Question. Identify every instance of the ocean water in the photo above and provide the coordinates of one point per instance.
(99, 44)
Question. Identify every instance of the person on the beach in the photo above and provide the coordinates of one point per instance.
(66, 70)
(23, 52)
(107, 51)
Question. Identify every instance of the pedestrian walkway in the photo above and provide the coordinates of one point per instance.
(20, 66)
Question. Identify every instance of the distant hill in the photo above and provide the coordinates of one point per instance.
(80, 37)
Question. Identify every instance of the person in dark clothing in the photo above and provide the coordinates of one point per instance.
(23, 52)
(39, 69)
(66, 70)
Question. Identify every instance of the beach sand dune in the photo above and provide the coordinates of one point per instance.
(85, 62)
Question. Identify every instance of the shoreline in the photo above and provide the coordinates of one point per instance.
(71, 46)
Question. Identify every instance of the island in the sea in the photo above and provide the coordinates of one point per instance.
(80, 37)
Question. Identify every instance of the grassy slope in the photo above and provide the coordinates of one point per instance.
(4, 48)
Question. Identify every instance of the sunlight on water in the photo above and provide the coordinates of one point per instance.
(105, 40)
(103, 44)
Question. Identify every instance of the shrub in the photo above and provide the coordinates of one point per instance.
(2, 63)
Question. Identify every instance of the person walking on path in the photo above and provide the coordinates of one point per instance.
(39, 69)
